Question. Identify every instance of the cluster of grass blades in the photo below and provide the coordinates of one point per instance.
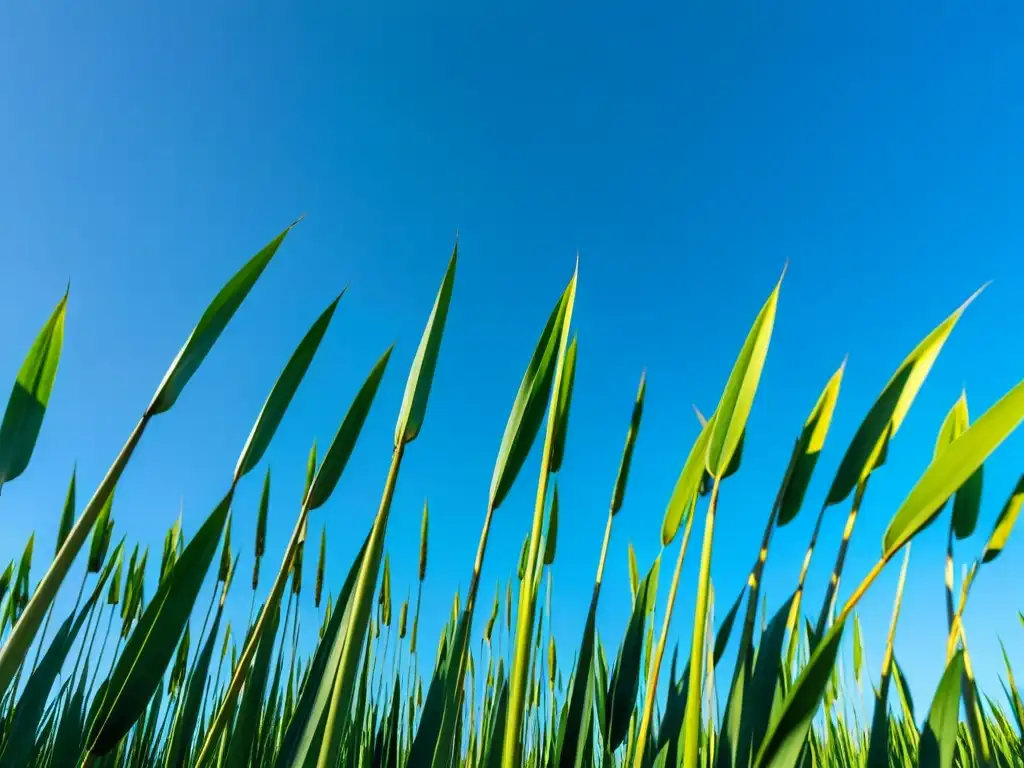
(180, 690)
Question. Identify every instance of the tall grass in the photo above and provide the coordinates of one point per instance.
(501, 693)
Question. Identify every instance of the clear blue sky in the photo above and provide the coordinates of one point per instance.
(686, 150)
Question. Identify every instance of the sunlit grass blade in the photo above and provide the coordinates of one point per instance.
(26, 407)
(529, 401)
(950, 470)
(737, 399)
(887, 413)
(1004, 523)
(938, 739)
(565, 389)
(810, 445)
(196, 348)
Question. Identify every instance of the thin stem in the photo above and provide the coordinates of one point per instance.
(655, 669)
(837, 571)
(691, 722)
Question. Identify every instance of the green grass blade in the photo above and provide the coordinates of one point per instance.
(211, 325)
(1004, 523)
(305, 729)
(810, 445)
(564, 403)
(619, 494)
(421, 375)
(152, 644)
(188, 720)
(737, 399)
(950, 470)
(284, 390)
(243, 738)
(31, 394)
(938, 739)
(340, 450)
(29, 709)
(527, 414)
(787, 731)
(680, 506)
(866, 450)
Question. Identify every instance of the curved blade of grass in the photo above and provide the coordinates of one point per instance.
(29, 709)
(199, 343)
(730, 419)
(580, 699)
(67, 518)
(967, 500)
(938, 739)
(305, 729)
(551, 537)
(523, 644)
(421, 375)
(67, 745)
(243, 738)
(528, 409)
(950, 470)
(866, 450)
(619, 494)
(152, 644)
(340, 450)
(31, 394)
(790, 723)
(625, 679)
(284, 390)
(188, 719)
(680, 506)
(564, 403)
(211, 325)
(763, 684)
(1004, 523)
(811, 442)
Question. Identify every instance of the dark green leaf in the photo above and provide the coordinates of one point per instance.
(284, 390)
(345, 438)
(211, 324)
(151, 646)
(421, 376)
(30, 397)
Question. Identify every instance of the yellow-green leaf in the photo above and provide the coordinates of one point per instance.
(1004, 523)
(687, 486)
(956, 464)
(561, 425)
(867, 450)
(421, 375)
(938, 740)
(738, 396)
(811, 442)
(528, 409)
(31, 394)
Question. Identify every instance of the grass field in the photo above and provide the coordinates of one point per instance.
(184, 687)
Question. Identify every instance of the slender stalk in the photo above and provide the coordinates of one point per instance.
(659, 653)
(692, 721)
(513, 747)
(352, 649)
(837, 571)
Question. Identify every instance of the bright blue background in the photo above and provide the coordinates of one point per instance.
(686, 150)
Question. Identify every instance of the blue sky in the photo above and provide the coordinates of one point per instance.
(687, 151)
